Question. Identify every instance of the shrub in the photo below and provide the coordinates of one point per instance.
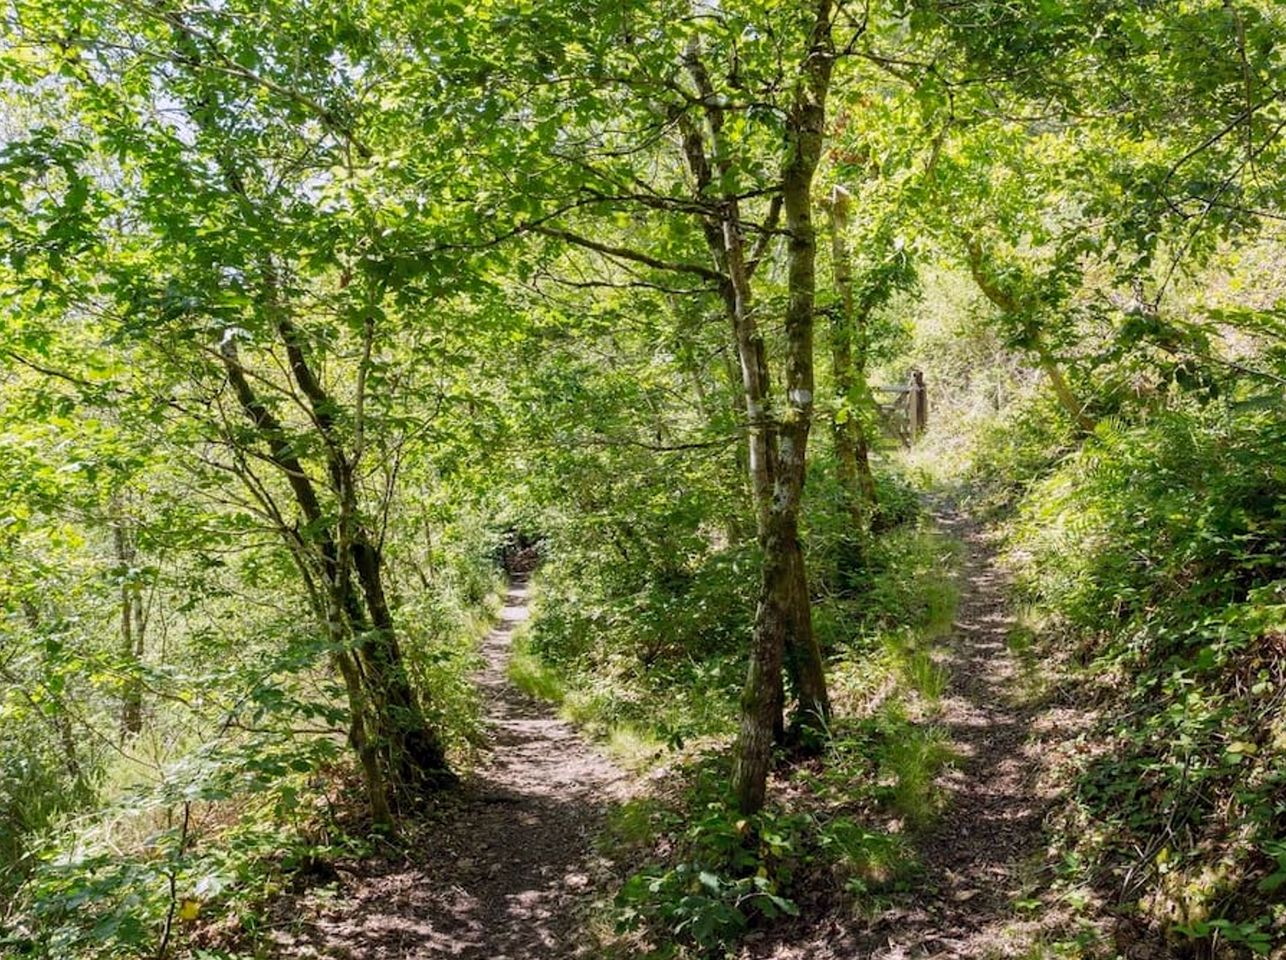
(724, 873)
(1162, 545)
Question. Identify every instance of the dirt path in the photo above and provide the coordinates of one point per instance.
(989, 842)
(986, 851)
(504, 868)
(507, 866)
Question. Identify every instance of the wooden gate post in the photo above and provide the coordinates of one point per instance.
(919, 404)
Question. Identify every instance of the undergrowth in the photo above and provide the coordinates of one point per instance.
(197, 834)
(837, 829)
(1155, 555)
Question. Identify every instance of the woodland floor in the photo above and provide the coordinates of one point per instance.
(1010, 726)
(506, 868)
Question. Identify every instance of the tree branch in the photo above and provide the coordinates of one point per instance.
(625, 253)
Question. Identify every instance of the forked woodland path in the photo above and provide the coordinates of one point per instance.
(506, 866)
(986, 851)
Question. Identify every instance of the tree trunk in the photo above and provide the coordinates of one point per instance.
(361, 738)
(853, 466)
(397, 749)
(395, 746)
(776, 443)
(1066, 398)
(803, 657)
(415, 752)
(131, 626)
(783, 621)
(761, 705)
(1010, 303)
(805, 130)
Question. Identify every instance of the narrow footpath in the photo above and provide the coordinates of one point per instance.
(983, 861)
(508, 864)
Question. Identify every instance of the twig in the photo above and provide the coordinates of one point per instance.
(164, 946)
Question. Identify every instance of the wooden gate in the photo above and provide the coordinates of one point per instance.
(904, 409)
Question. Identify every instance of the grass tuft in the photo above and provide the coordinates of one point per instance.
(533, 676)
(913, 761)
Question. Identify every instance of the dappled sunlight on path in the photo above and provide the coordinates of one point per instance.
(506, 861)
(986, 852)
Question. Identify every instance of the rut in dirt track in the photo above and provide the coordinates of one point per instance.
(507, 864)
